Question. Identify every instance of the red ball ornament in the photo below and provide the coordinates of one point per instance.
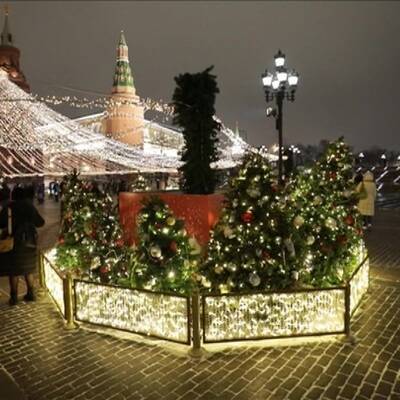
(247, 216)
(326, 249)
(104, 270)
(266, 255)
(349, 220)
(342, 239)
(119, 243)
(61, 240)
(332, 175)
(173, 246)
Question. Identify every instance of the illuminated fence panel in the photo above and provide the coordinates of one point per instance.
(154, 314)
(359, 285)
(54, 284)
(267, 315)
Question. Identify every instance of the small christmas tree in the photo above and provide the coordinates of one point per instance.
(139, 184)
(329, 221)
(166, 257)
(90, 242)
(253, 246)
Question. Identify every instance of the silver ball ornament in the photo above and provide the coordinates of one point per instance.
(155, 251)
(254, 279)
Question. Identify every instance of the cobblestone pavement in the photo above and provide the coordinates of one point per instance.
(49, 362)
(383, 241)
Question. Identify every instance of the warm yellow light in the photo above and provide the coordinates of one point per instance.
(359, 285)
(276, 314)
(154, 314)
(53, 281)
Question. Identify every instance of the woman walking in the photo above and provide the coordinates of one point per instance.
(22, 259)
(367, 196)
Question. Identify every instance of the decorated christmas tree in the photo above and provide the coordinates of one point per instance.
(254, 245)
(90, 243)
(166, 257)
(324, 205)
(139, 184)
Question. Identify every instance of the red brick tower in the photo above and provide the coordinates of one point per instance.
(124, 122)
(9, 57)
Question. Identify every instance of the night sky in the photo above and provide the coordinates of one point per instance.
(347, 54)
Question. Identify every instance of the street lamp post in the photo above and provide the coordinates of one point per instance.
(279, 85)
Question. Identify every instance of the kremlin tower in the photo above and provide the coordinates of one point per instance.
(9, 57)
(124, 122)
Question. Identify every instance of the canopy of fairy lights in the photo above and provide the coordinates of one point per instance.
(36, 140)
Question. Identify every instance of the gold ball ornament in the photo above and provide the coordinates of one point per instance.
(218, 269)
(310, 240)
(194, 244)
(317, 200)
(331, 223)
(228, 232)
(298, 221)
(223, 288)
(253, 192)
(205, 282)
(171, 221)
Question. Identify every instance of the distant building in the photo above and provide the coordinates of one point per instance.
(127, 123)
(9, 57)
(124, 122)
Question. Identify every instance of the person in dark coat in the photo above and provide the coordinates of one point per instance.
(4, 194)
(56, 191)
(30, 193)
(22, 260)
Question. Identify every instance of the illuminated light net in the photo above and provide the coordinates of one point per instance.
(359, 285)
(53, 281)
(259, 316)
(36, 140)
(153, 314)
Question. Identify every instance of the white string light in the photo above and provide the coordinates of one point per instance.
(37, 140)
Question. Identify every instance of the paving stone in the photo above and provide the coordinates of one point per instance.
(297, 393)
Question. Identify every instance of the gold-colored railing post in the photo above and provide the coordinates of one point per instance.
(196, 349)
(347, 313)
(69, 302)
(42, 281)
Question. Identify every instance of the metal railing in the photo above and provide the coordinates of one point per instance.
(196, 319)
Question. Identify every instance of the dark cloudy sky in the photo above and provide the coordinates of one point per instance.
(347, 54)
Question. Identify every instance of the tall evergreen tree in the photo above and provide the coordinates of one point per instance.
(194, 102)
(326, 205)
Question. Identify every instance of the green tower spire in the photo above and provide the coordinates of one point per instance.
(123, 79)
(6, 37)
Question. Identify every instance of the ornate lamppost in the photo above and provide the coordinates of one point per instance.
(279, 84)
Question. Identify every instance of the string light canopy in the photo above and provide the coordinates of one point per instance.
(36, 140)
